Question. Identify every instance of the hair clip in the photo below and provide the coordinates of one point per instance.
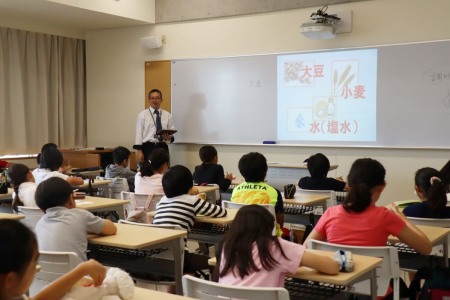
(434, 178)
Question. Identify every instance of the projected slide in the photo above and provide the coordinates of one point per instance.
(327, 96)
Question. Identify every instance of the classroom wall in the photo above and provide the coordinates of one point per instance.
(115, 76)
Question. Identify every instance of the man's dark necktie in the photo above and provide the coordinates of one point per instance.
(158, 121)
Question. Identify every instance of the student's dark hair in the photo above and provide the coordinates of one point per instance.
(17, 174)
(51, 159)
(52, 192)
(155, 91)
(252, 224)
(46, 146)
(18, 246)
(207, 153)
(158, 157)
(177, 181)
(318, 165)
(428, 180)
(253, 166)
(445, 176)
(365, 174)
(120, 153)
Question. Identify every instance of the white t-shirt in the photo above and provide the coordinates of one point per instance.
(26, 194)
(43, 174)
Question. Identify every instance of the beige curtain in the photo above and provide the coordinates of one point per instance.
(42, 91)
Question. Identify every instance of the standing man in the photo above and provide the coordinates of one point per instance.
(149, 123)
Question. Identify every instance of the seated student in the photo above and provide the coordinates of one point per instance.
(248, 254)
(24, 186)
(359, 222)
(210, 172)
(121, 156)
(253, 167)
(64, 227)
(149, 178)
(431, 191)
(63, 169)
(18, 265)
(318, 167)
(178, 206)
(51, 161)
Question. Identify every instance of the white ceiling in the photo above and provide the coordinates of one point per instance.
(54, 14)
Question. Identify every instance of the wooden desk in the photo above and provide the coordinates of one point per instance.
(228, 219)
(305, 199)
(140, 237)
(146, 294)
(280, 174)
(364, 269)
(11, 216)
(210, 191)
(95, 204)
(436, 235)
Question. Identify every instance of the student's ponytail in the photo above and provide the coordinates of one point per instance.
(364, 175)
(433, 188)
(146, 168)
(358, 198)
(437, 196)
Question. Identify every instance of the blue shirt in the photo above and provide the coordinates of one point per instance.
(421, 210)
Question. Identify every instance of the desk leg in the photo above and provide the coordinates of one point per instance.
(120, 211)
(373, 284)
(446, 252)
(178, 265)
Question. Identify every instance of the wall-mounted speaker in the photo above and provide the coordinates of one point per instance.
(151, 42)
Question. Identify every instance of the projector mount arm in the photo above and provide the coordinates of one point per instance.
(322, 17)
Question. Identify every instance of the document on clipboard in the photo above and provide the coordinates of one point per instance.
(166, 131)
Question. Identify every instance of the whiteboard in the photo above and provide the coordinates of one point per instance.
(233, 100)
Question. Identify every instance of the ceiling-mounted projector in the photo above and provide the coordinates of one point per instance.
(318, 31)
(321, 25)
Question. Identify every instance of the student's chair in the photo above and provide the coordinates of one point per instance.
(32, 216)
(160, 261)
(115, 187)
(52, 266)
(445, 223)
(140, 202)
(201, 289)
(389, 268)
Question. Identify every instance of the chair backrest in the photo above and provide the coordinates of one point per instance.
(116, 186)
(431, 222)
(140, 202)
(32, 215)
(389, 268)
(201, 289)
(52, 266)
(269, 207)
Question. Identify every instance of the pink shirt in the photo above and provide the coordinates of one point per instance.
(273, 278)
(368, 228)
(148, 185)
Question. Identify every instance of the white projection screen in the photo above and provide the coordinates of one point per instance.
(386, 96)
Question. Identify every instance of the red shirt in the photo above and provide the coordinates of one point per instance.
(368, 228)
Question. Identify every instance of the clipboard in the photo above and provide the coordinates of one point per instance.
(166, 131)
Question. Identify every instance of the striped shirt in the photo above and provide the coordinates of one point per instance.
(182, 210)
